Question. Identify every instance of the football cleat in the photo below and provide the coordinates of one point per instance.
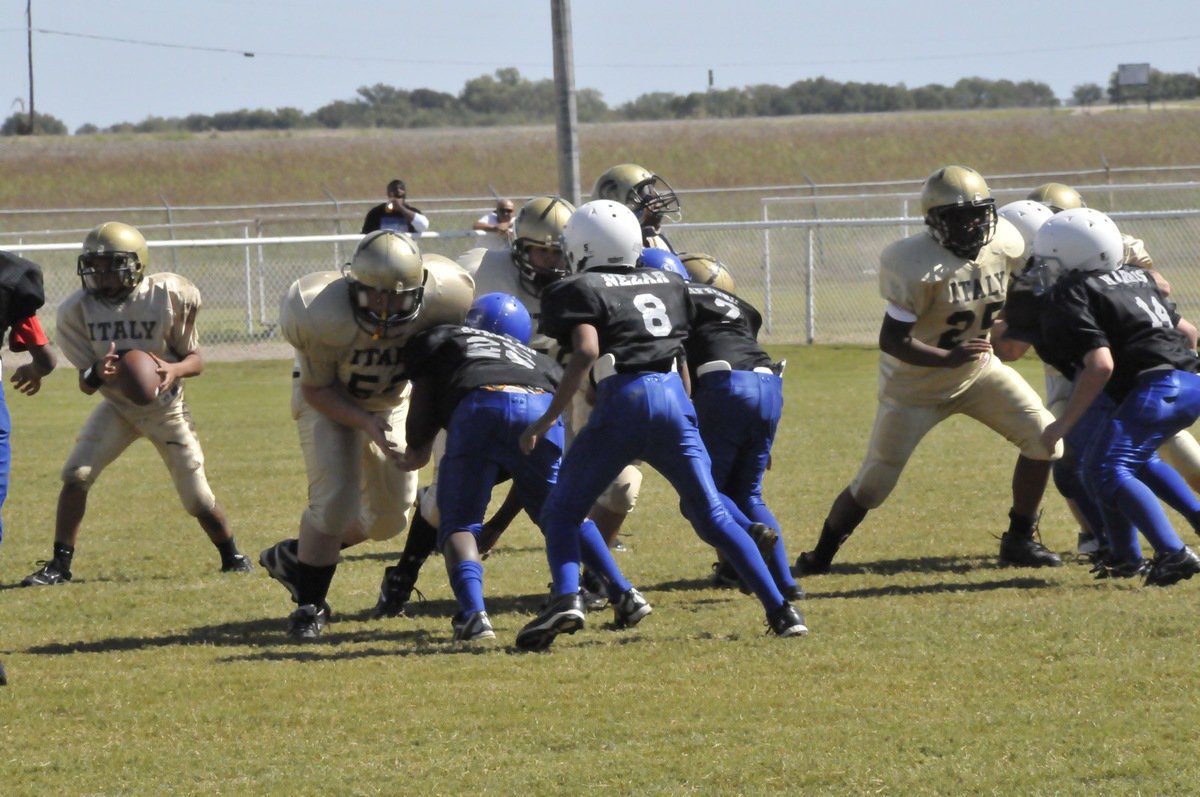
(807, 564)
(307, 622)
(1020, 551)
(563, 615)
(472, 627)
(1169, 568)
(48, 573)
(1110, 568)
(1087, 543)
(397, 587)
(630, 608)
(593, 590)
(764, 537)
(724, 576)
(794, 593)
(787, 621)
(239, 564)
(280, 562)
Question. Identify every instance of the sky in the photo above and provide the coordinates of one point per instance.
(109, 61)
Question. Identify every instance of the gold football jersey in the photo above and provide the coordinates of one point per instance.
(317, 318)
(953, 299)
(158, 317)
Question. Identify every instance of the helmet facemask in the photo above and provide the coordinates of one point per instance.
(110, 276)
(654, 200)
(536, 278)
(384, 312)
(964, 228)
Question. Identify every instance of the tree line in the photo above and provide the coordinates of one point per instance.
(507, 98)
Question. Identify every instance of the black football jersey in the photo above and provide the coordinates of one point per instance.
(641, 315)
(1122, 310)
(724, 327)
(460, 359)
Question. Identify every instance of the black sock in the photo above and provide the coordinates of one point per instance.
(312, 583)
(63, 554)
(1020, 525)
(829, 543)
(228, 550)
(422, 539)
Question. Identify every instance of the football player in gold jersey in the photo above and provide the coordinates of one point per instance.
(944, 286)
(120, 308)
(351, 403)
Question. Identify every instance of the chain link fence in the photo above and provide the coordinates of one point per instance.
(816, 281)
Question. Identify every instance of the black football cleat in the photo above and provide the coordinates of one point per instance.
(399, 582)
(630, 608)
(280, 562)
(1020, 551)
(240, 563)
(563, 615)
(49, 573)
(787, 621)
(807, 564)
(307, 622)
(1171, 568)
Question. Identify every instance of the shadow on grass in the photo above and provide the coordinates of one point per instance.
(894, 590)
(388, 636)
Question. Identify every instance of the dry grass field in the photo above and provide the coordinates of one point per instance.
(117, 171)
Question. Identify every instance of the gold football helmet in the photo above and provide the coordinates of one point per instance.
(387, 281)
(649, 196)
(959, 209)
(707, 270)
(1057, 196)
(540, 223)
(117, 249)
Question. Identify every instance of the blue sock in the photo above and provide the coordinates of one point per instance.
(466, 579)
(1141, 506)
(599, 560)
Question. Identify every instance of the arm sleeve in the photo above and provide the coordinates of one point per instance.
(185, 305)
(27, 332)
(420, 222)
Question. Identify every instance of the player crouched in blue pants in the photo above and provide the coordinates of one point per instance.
(484, 385)
(1111, 324)
(626, 325)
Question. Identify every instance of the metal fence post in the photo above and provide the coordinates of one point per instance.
(337, 224)
(170, 231)
(766, 271)
(249, 293)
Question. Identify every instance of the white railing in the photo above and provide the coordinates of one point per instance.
(814, 279)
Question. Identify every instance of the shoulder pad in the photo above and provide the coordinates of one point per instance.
(449, 291)
(316, 311)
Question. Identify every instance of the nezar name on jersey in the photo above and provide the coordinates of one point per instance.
(317, 318)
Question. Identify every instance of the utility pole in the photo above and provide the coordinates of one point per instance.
(566, 119)
(29, 32)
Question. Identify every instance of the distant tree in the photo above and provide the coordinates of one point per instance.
(43, 125)
(87, 129)
(1087, 94)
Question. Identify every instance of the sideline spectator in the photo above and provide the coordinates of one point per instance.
(395, 214)
(497, 224)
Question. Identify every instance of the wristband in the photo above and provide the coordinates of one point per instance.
(91, 378)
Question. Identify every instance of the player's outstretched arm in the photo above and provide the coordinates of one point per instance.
(895, 338)
(585, 349)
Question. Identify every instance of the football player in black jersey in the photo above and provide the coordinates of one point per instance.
(738, 394)
(484, 385)
(626, 325)
(1111, 324)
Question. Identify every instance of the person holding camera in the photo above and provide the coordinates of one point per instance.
(395, 214)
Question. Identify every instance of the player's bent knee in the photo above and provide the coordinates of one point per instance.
(621, 496)
(82, 477)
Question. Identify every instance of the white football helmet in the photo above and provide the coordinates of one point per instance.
(601, 233)
(1082, 239)
(1028, 217)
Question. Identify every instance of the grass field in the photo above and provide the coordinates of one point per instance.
(928, 669)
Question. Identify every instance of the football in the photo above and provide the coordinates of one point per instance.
(137, 377)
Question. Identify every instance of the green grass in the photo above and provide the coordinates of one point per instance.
(928, 668)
